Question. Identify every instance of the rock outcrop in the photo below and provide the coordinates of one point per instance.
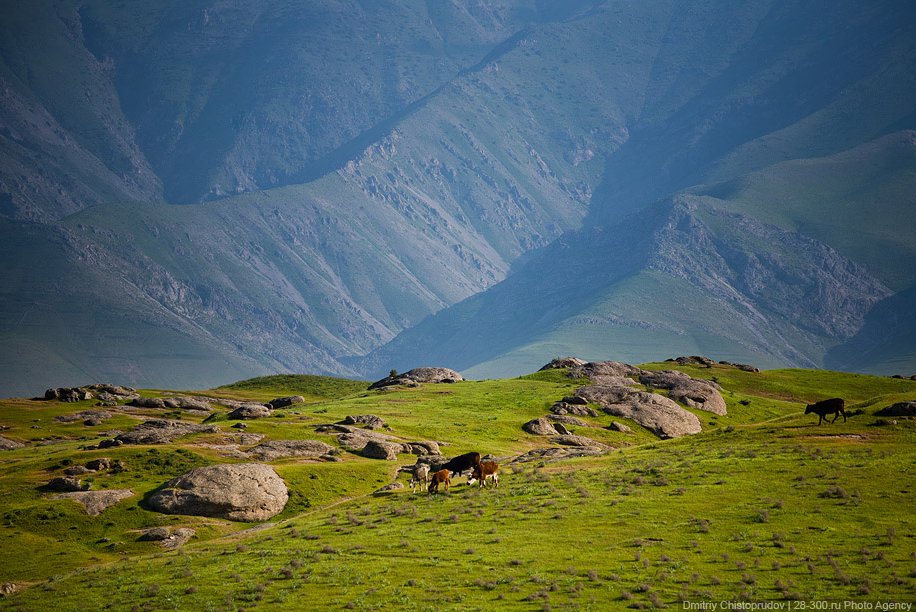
(7, 444)
(900, 409)
(250, 411)
(380, 449)
(370, 421)
(656, 413)
(168, 538)
(161, 431)
(237, 492)
(417, 376)
(563, 362)
(540, 426)
(285, 402)
(96, 501)
(700, 394)
(277, 449)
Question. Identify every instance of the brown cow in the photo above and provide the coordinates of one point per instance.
(442, 476)
(833, 405)
(483, 471)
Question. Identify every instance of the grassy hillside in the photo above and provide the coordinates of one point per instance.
(763, 504)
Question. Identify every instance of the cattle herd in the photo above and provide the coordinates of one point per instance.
(484, 471)
(481, 471)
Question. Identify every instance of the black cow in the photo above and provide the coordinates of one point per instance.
(461, 463)
(833, 405)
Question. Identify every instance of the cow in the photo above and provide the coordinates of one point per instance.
(420, 476)
(484, 471)
(442, 476)
(833, 405)
(462, 463)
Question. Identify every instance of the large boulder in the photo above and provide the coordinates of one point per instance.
(610, 373)
(277, 449)
(656, 413)
(285, 402)
(419, 375)
(66, 484)
(237, 492)
(540, 426)
(900, 409)
(380, 449)
(369, 421)
(68, 394)
(161, 431)
(699, 394)
(250, 411)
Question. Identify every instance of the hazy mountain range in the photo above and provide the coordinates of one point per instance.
(199, 191)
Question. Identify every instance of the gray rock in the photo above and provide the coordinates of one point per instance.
(85, 415)
(67, 484)
(379, 449)
(96, 465)
(540, 426)
(561, 429)
(284, 402)
(900, 409)
(563, 362)
(161, 431)
(609, 373)
(237, 492)
(166, 537)
(562, 408)
(369, 420)
(250, 411)
(77, 470)
(394, 486)
(185, 402)
(699, 394)
(154, 534)
(425, 447)
(147, 402)
(615, 426)
(741, 366)
(568, 420)
(656, 413)
(68, 394)
(571, 440)
(419, 375)
(7, 444)
(556, 453)
(694, 360)
(276, 449)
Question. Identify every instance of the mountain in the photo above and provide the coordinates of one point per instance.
(288, 187)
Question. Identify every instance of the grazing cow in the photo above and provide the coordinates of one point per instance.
(442, 476)
(484, 471)
(833, 405)
(462, 463)
(420, 476)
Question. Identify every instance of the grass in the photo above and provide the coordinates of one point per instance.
(763, 505)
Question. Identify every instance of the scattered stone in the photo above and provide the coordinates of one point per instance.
(369, 420)
(166, 537)
(540, 426)
(394, 486)
(379, 449)
(109, 443)
(66, 484)
(571, 440)
(561, 429)
(147, 402)
(419, 375)
(237, 492)
(426, 447)
(900, 409)
(563, 362)
(86, 415)
(741, 366)
(161, 431)
(615, 426)
(77, 470)
(97, 465)
(568, 420)
(277, 449)
(185, 402)
(7, 444)
(154, 534)
(240, 426)
(68, 394)
(250, 411)
(283, 402)
(562, 408)
(556, 453)
(694, 360)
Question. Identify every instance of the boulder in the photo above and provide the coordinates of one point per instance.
(900, 409)
(85, 415)
(699, 360)
(571, 440)
(561, 429)
(147, 402)
(563, 362)
(277, 449)
(741, 366)
(370, 421)
(160, 431)
(77, 470)
(284, 402)
(615, 426)
(425, 447)
(96, 465)
(556, 453)
(7, 444)
(96, 501)
(568, 420)
(610, 373)
(237, 492)
(185, 402)
(68, 394)
(419, 375)
(380, 449)
(569, 408)
(166, 537)
(656, 413)
(250, 411)
(699, 394)
(394, 486)
(540, 426)
(67, 484)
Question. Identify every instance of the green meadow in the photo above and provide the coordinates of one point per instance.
(763, 505)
